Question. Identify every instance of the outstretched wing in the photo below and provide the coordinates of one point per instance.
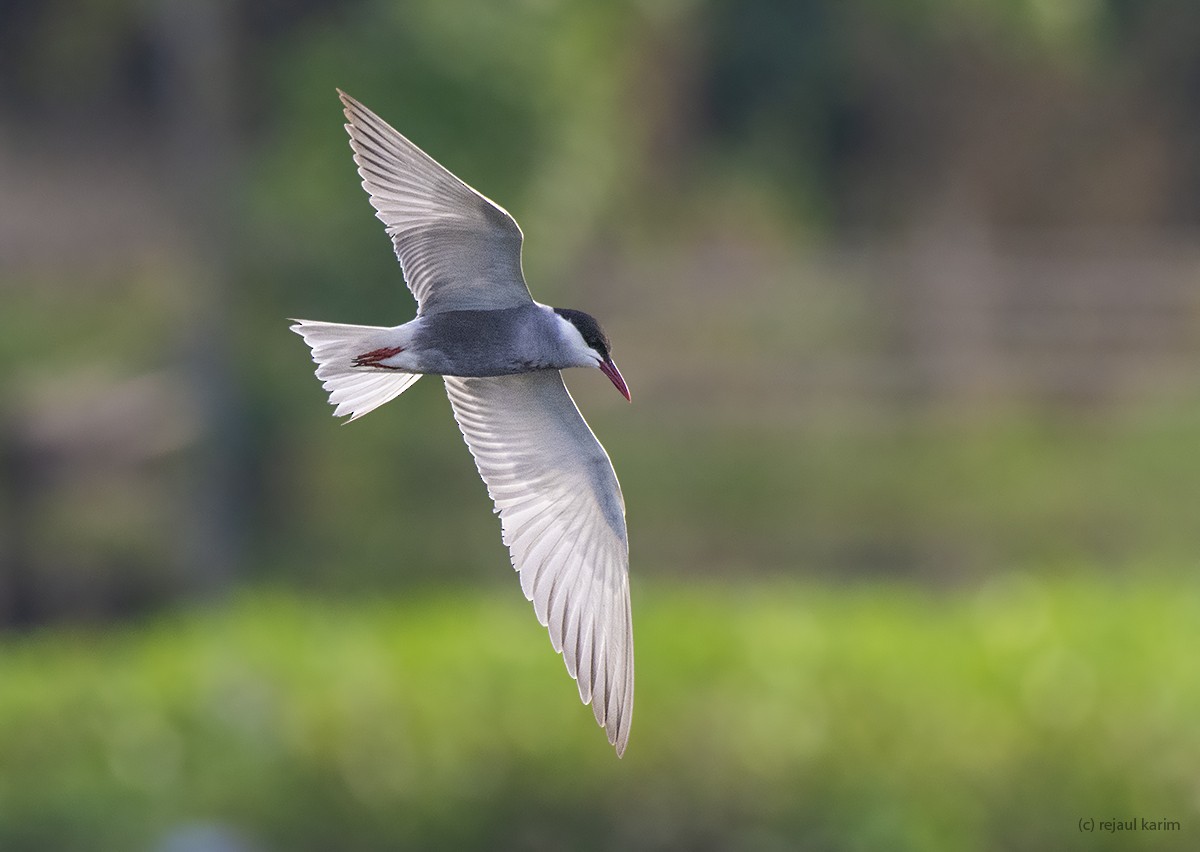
(563, 519)
(458, 249)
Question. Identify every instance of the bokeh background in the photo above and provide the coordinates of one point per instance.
(906, 292)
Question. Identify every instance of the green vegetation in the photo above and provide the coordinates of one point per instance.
(779, 717)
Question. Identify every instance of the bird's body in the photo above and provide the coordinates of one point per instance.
(499, 353)
(482, 343)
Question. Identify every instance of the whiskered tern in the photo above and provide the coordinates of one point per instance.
(499, 354)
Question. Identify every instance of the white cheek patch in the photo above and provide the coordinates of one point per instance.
(572, 337)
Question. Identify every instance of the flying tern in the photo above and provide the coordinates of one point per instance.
(499, 353)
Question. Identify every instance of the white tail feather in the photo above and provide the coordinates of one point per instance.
(353, 390)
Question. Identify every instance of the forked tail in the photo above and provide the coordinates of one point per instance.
(347, 359)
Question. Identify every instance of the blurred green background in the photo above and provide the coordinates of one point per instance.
(906, 295)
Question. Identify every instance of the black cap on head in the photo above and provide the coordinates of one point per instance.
(593, 335)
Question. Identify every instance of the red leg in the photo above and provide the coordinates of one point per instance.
(375, 356)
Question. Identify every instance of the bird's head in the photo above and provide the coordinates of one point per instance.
(589, 344)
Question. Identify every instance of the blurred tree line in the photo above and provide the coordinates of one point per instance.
(177, 183)
(856, 110)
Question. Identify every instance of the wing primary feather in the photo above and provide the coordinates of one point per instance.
(572, 603)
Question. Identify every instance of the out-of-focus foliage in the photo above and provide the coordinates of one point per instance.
(769, 718)
(778, 717)
(619, 134)
(1031, 112)
(528, 102)
(942, 502)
